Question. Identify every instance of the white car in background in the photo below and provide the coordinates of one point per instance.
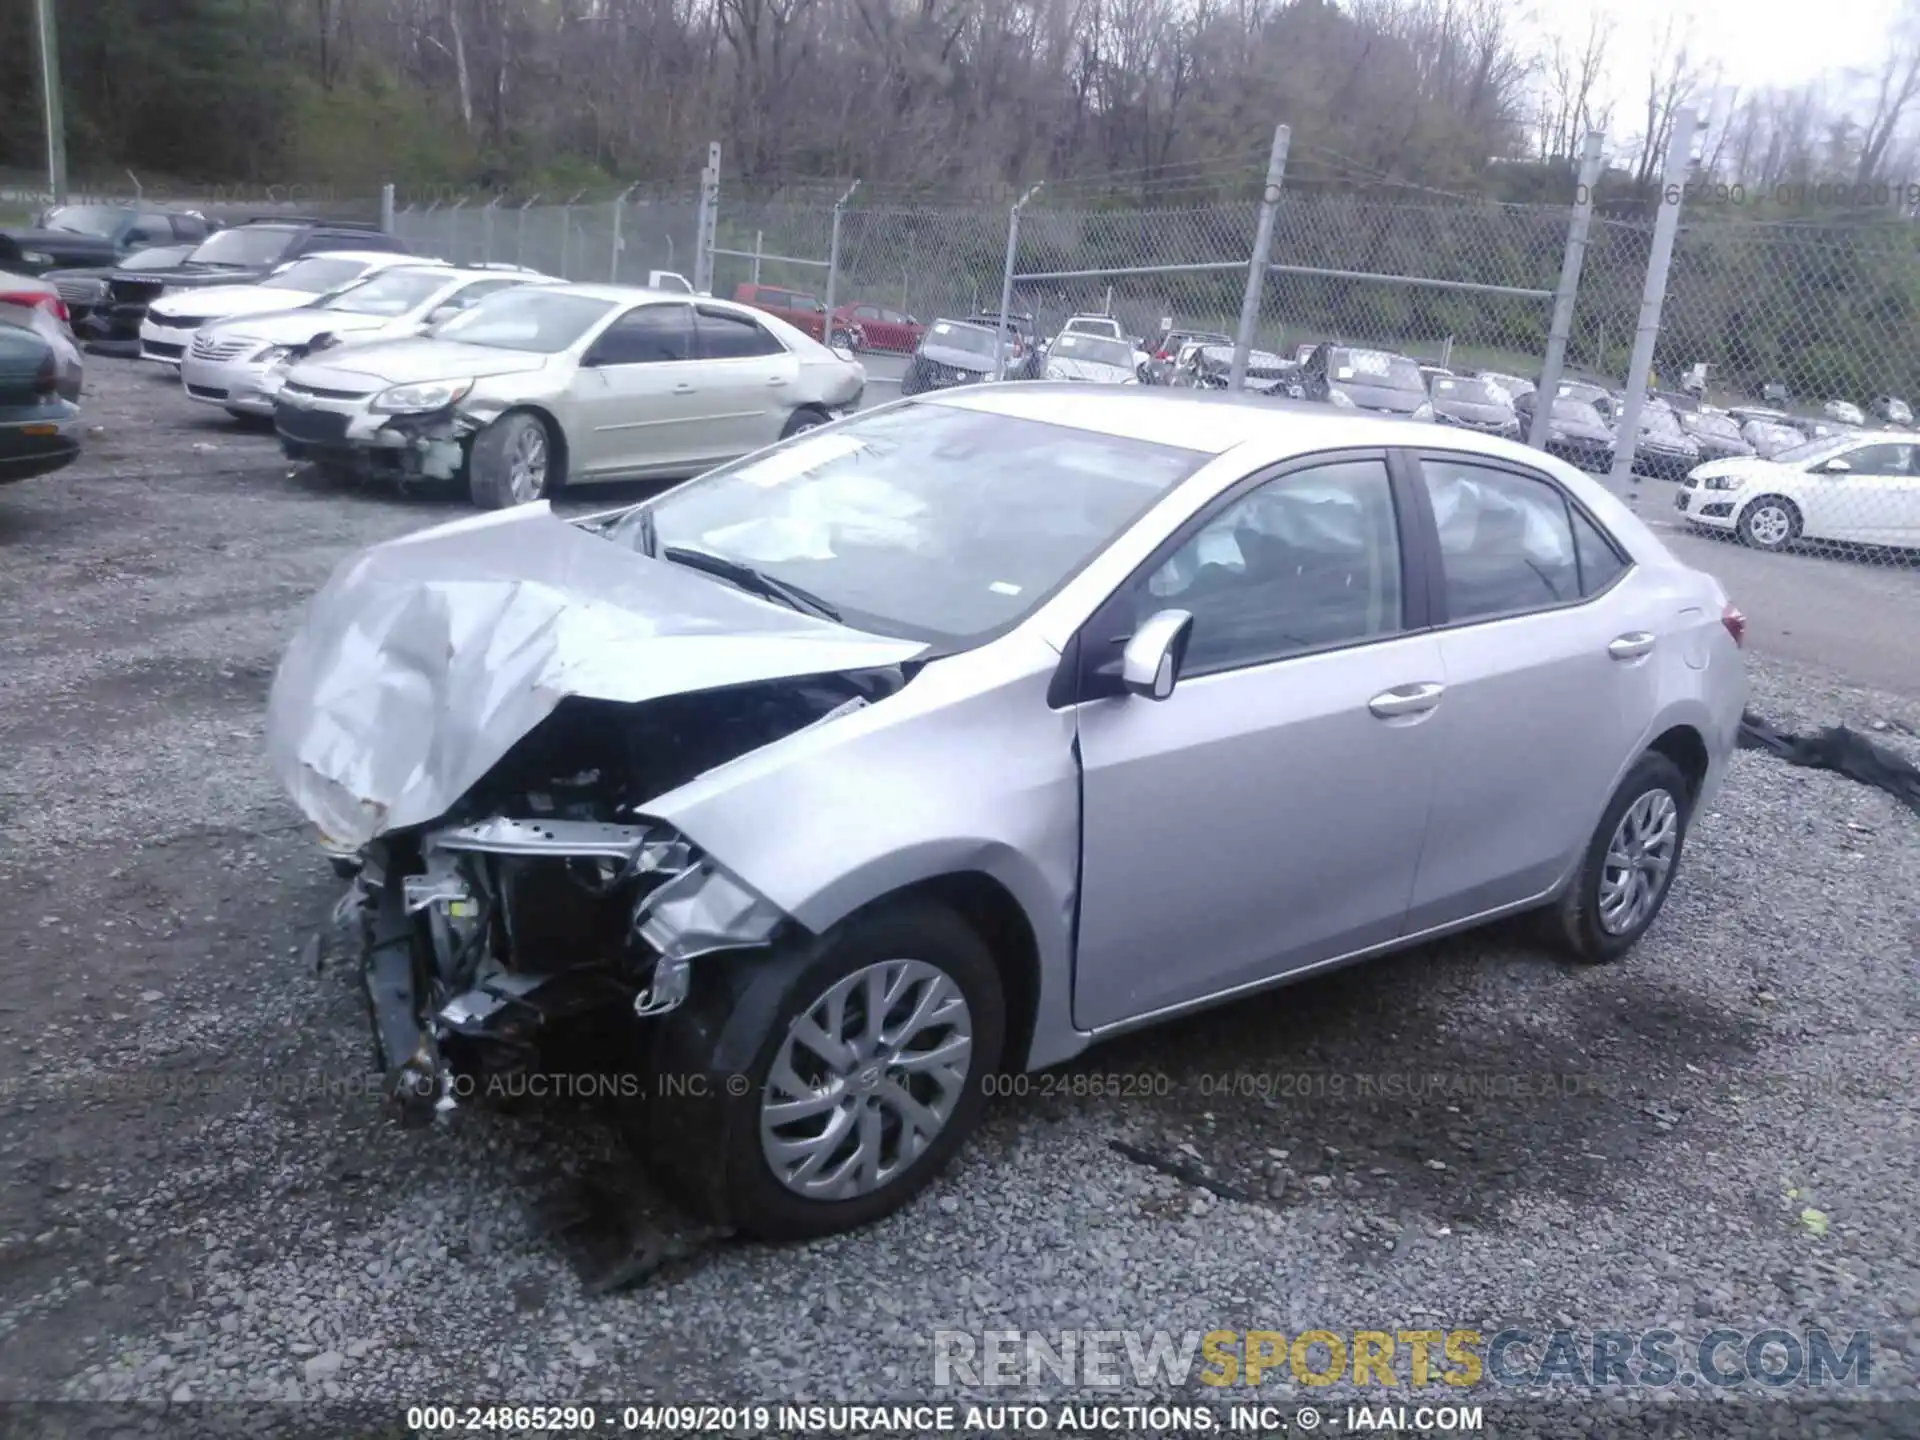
(172, 319)
(239, 364)
(1860, 486)
(1107, 326)
(1100, 359)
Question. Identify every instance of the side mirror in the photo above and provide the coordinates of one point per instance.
(1836, 466)
(444, 312)
(1151, 662)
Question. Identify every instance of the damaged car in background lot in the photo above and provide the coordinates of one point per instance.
(239, 364)
(817, 782)
(171, 320)
(543, 385)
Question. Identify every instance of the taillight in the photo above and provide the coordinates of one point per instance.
(1736, 624)
(34, 300)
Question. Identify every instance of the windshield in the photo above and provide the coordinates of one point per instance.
(542, 322)
(1578, 411)
(392, 292)
(933, 522)
(1095, 348)
(105, 221)
(318, 276)
(246, 245)
(962, 337)
(1660, 421)
(1512, 384)
(1814, 451)
(1587, 394)
(1376, 368)
(1467, 392)
(1720, 427)
(1774, 437)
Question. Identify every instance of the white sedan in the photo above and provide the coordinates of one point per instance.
(239, 364)
(171, 320)
(1861, 486)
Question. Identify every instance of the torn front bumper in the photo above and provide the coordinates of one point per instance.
(398, 447)
(493, 947)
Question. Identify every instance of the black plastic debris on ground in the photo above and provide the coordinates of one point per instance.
(1839, 749)
(1188, 1174)
(614, 1238)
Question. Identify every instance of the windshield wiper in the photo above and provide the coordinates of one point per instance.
(746, 577)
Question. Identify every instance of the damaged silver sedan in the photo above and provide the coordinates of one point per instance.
(952, 738)
(546, 386)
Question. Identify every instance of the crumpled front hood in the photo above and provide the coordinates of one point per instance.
(218, 301)
(423, 660)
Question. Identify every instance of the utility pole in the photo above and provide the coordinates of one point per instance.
(1262, 256)
(50, 91)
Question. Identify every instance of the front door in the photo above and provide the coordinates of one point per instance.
(638, 393)
(1270, 813)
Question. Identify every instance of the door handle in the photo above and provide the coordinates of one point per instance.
(685, 387)
(777, 380)
(1631, 646)
(1406, 700)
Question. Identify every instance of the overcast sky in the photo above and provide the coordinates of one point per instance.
(1757, 43)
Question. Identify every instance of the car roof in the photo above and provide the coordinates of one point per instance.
(393, 257)
(1207, 422)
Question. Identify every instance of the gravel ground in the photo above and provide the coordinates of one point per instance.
(200, 1197)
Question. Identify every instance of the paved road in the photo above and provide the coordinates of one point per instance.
(1849, 618)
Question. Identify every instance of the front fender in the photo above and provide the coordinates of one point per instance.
(964, 770)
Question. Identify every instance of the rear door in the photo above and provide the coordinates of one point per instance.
(1552, 657)
(1876, 501)
(638, 393)
(745, 381)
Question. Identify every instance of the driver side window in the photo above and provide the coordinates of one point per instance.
(1307, 561)
(648, 335)
(1879, 460)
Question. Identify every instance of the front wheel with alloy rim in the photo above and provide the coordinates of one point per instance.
(804, 420)
(512, 462)
(839, 1076)
(1770, 523)
(1629, 863)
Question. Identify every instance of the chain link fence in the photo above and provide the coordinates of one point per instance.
(1785, 356)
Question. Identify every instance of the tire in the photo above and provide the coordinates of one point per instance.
(804, 419)
(914, 381)
(512, 462)
(1590, 924)
(1771, 522)
(843, 340)
(737, 1031)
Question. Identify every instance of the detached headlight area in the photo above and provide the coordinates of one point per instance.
(503, 936)
(420, 399)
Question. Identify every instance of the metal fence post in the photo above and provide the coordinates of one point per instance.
(1006, 279)
(1262, 254)
(759, 244)
(1666, 223)
(453, 229)
(566, 235)
(1564, 298)
(520, 232)
(486, 231)
(706, 220)
(386, 208)
(619, 244)
(833, 254)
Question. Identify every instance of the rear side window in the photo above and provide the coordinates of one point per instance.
(726, 336)
(1506, 541)
(1600, 560)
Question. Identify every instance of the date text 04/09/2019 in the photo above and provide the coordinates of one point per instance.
(828, 1420)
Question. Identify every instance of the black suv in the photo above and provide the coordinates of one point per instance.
(244, 254)
(88, 235)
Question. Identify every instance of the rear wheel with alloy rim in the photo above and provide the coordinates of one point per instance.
(1629, 863)
(1770, 523)
(841, 1074)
